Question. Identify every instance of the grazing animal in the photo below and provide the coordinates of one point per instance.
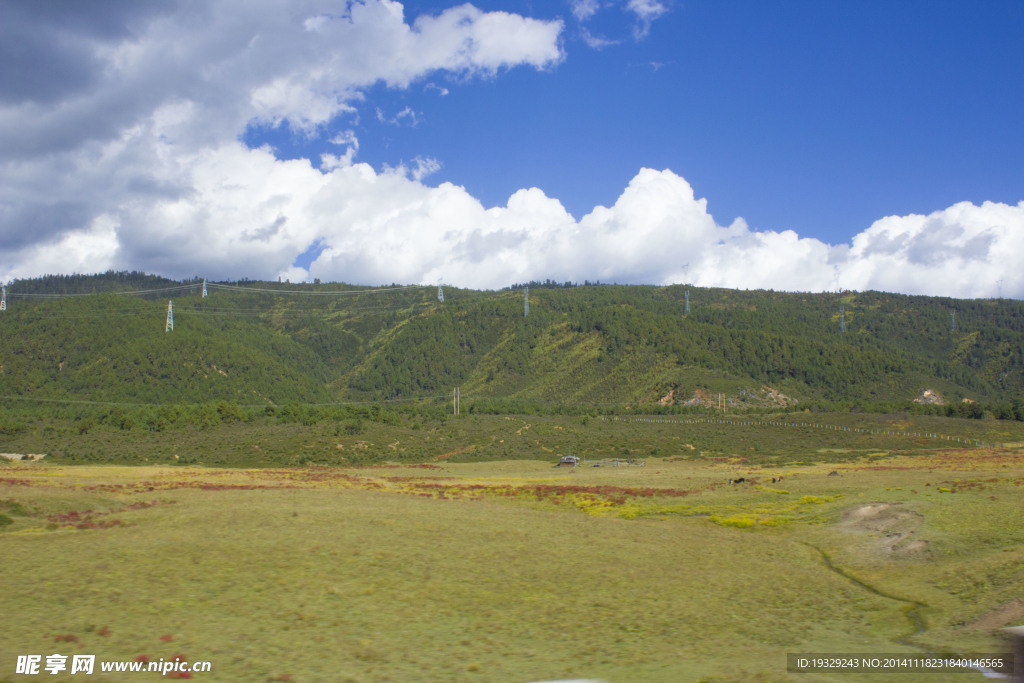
(737, 481)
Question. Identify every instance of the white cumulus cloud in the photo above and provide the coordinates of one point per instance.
(646, 12)
(122, 149)
(133, 111)
(643, 13)
(964, 250)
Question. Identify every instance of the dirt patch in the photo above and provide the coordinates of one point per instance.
(1004, 615)
(891, 527)
(916, 548)
(701, 398)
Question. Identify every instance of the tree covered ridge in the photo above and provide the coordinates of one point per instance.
(590, 344)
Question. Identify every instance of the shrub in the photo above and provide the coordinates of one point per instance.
(12, 428)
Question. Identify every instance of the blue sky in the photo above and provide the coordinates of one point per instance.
(864, 145)
(819, 117)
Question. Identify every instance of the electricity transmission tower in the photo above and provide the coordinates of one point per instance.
(204, 287)
(842, 320)
(952, 319)
(526, 302)
(456, 401)
(687, 302)
(3, 299)
(440, 294)
(170, 317)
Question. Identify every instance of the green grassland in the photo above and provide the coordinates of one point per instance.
(514, 570)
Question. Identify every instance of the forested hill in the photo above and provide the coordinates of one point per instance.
(104, 338)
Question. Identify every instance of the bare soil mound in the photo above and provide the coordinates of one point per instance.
(1005, 615)
(891, 527)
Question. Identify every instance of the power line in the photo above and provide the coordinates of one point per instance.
(314, 293)
(194, 308)
(246, 405)
(29, 295)
(206, 284)
(85, 316)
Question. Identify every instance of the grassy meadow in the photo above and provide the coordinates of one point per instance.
(452, 569)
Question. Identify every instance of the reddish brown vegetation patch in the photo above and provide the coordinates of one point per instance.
(10, 481)
(87, 519)
(415, 466)
(616, 495)
(152, 486)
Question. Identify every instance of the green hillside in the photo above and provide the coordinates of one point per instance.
(102, 338)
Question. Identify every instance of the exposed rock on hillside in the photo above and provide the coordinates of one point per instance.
(930, 397)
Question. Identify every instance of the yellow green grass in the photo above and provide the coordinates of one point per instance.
(510, 571)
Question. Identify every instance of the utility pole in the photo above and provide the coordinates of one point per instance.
(170, 317)
(456, 401)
